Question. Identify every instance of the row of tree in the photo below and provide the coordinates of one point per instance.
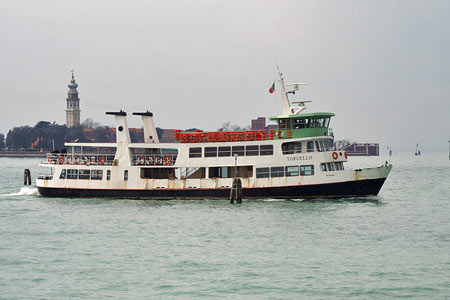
(48, 136)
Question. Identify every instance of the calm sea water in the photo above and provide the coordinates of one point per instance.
(396, 245)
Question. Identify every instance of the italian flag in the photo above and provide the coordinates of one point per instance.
(272, 88)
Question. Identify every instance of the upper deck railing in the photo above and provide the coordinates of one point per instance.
(80, 159)
(224, 136)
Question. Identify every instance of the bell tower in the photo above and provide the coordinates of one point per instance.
(73, 104)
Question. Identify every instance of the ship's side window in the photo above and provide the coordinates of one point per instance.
(63, 174)
(252, 150)
(84, 174)
(210, 151)
(266, 150)
(319, 146)
(324, 145)
(224, 151)
(292, 171)
(262, 172)
(330, 166)
(307, 170)
(277, 172)
(125, 175)
(72, 174)
(291, 147)
(310, 146)
(96, 174)
(195, 152)
(108, 174)
(239, 150)
(323, 166)
(339, 166)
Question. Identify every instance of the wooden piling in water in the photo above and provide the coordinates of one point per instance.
(27, 177)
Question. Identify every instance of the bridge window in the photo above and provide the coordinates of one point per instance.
(108, 174)
(210, 151)
(284, 124)
(63, 174)
(298, 123)
(195, 152)
(266, 150)
(125, 175)
(291, 147)
(310, 146)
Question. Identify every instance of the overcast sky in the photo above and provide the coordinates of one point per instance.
(383, 67)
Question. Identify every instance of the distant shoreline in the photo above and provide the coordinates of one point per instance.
(22, 154)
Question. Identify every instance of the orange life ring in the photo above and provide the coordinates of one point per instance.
(345, 154)
(61, 159)
(168, 160)
(335, 155)
(101, 160)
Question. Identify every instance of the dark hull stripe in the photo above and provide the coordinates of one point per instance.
(331, 190)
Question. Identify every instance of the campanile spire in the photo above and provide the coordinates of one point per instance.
(73, 104)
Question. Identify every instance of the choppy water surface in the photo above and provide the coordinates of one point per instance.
(396, 245)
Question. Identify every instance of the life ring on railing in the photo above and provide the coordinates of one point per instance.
(149, 161)
(60, 159)
(345, 154)
(76, 160)
(168, 161)
(335, 155)
(140, 160)
(280, 134)
(102, 160)
(158, 160)
(93, 160)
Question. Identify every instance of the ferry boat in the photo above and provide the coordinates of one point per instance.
(295, 161)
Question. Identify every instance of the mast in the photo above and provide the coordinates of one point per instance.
(285, 89)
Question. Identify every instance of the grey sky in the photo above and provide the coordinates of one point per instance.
(382, 66)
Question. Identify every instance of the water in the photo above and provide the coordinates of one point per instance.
(396, 245)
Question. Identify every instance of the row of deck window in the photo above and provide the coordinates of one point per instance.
(259, 150)
(288, 171)
(226, 151)
(332, 166)
(85, 174)
(311, 146)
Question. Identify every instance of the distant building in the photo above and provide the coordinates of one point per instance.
(73, 105)
(259, 123)
(360, 149)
